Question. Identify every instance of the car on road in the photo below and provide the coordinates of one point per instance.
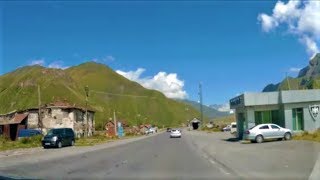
(151, 130)
(59, 137)
(227, 128)
(233, 129)
(175, 133)
(263, 132)
(168, 129)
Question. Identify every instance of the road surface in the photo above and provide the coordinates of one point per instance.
(157, 157)
(197, 155)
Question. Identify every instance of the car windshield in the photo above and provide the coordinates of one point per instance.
(160, 89)
(55, 132)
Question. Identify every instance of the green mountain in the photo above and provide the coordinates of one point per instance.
(108, 91)
(208, 112)
(308, 78)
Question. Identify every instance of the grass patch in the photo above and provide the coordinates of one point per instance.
(7, 144)
(99, 139)
(314, 136)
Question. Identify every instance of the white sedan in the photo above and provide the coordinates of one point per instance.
(262, 132)
(175, 133)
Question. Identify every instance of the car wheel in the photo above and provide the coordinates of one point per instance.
(287, 136)
(45, 147)
(72, 143)
(259, 139)
(59, 145)
(252, 141)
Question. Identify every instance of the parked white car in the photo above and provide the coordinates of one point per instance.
(175, 133)
(227, 128)
(233, 129)
(262, 132)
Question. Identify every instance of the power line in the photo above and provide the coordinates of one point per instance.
(127, 95)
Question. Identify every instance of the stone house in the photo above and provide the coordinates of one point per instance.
(54, 115)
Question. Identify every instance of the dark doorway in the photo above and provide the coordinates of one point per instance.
(195, 125)
(13, 131)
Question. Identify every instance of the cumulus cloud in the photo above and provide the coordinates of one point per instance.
(37, 62)
(54, 64)
(167, 83)
(294, 70)
(301, 19)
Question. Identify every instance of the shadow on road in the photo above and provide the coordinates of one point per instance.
(231, 140)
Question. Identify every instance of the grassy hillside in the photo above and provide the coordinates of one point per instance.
(108, 92)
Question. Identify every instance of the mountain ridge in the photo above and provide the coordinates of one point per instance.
(18, 91)
(307, 78)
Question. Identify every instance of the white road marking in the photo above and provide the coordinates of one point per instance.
(222, 170)
(212, 161)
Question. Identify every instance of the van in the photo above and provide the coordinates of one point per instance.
(233, 129)
(59, 137)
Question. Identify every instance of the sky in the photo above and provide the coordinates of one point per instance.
(230, 47)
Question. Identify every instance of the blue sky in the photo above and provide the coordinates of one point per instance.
(221, 44)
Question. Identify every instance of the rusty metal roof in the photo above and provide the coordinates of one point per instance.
(17, 119)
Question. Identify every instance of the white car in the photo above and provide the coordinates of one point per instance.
(151, 131)
(267, 131)
(175, 133)
(233, 129)
(227, 128)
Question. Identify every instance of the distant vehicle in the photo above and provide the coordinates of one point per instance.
(233, 129)
(151, 130)
(227, 128)
(24, 133)
(59, 137)
(175, 133)
(262, 132)
(168, 129)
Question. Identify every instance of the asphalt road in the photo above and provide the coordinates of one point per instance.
(157, 157)
(197, 155)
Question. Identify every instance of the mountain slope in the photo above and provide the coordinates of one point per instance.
(308, 78)
(108, 91)
(208, 112)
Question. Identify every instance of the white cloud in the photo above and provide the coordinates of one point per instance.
(37, 62)
(268, 22)
(109, 58)
(301, 19)
(294, 70)
(167, 83)
(57, 65)
(54, 64)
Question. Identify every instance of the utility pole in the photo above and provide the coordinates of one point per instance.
(39, 109)
(86, 115)
(288, 81)
(200, 98)
(115, 122)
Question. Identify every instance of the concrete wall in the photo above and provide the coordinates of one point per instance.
(256, 99)
(297, 96)
(310, 124)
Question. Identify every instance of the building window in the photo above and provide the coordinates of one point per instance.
(297, 119)
(273, 116)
